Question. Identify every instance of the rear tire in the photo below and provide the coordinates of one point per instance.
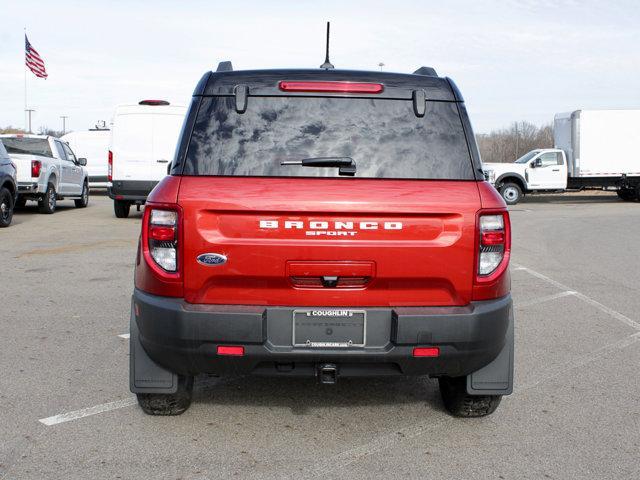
(83, 201)
(168, 403)
(628, 194)
(48, 203)
(20, 202)
(121, 208)
(511, 192)
(460, 404)
(6, 207)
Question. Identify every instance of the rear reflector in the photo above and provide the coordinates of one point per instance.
(426, 352)
(230, 350)
(331, 87)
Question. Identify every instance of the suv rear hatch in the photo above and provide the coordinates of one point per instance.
(401, 231)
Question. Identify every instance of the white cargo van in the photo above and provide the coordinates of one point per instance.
(594, 149)
(143, 142)
(92, 144)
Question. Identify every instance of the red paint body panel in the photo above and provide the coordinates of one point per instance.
(429, 261)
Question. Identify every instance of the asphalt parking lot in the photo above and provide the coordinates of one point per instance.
(67, 412)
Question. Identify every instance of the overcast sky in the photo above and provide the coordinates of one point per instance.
(513, 60)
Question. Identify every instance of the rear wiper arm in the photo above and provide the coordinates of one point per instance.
(346, 165)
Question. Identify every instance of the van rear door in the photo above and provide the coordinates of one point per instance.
(131, 146)
(166, 128)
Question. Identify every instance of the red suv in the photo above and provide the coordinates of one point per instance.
(326, 223)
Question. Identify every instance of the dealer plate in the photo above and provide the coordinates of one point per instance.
(330, 328)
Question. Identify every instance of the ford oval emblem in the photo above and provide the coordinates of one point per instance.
(211, 259)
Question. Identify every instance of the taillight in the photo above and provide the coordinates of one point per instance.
(110, 166)
(331, 87)
(36, 166)
(161, 235)
(494, 244)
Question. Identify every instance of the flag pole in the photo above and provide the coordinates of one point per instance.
(25, 83)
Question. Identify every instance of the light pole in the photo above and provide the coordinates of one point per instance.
(29, 110)
(381, 65)
(64, 123)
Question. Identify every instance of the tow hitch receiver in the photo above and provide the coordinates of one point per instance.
(327, 373)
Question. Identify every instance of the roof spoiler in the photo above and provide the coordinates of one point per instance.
(426, 71)
(225, 67)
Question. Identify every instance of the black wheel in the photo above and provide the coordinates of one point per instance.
(460, 404)
(511, 192)
(628, 194)
(121, 208)
(6, 207)
(168, 403)
(20, 202)
(83, 201)
(48, 203)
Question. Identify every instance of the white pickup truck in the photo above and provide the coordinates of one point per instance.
(48, 171)
(595, 149)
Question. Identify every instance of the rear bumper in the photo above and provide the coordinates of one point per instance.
(183, 338)
(131, 190)
(29, 189)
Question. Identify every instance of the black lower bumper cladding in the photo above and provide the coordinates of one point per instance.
(182, 338)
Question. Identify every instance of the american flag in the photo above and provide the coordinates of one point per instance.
(33, 60)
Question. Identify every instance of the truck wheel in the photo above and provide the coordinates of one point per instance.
(168, 403)
(83, 201)
(460, 404)
(121, 208)
(628, 194)
(6, 207)
(48, 203)
(511, 193)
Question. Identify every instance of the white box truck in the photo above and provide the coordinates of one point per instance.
(142, 145)
(92, 144)
(594, 149)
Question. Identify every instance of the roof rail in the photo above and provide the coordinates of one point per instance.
(225, 67)
(427, 71)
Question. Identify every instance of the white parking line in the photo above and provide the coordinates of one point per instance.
(546, 298)
(610, 311)
(86, 412)
(417, 430)
(590, 357)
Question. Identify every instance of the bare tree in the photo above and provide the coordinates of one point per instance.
(11, 129)
(44, 130)
(506, 145)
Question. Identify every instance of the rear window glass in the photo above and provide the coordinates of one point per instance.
(32, 146)
(383, 137)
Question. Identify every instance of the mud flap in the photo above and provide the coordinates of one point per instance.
(145, 375)
(497, 377)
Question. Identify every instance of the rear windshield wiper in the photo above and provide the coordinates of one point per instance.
(345, 165)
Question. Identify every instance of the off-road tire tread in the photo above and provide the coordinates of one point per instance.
(168, 403)
(460, 404)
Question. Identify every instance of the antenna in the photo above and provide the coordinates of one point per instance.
(327, 65)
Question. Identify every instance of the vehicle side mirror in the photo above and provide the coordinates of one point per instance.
(536, 163)
(169, 168)
(82, 162)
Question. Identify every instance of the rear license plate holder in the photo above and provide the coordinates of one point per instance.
(329, 328)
